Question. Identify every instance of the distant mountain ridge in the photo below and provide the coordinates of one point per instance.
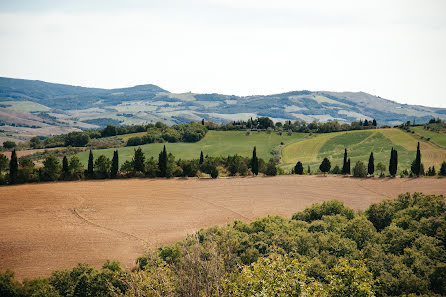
(74, 107)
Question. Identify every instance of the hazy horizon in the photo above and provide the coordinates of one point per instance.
(392, 49)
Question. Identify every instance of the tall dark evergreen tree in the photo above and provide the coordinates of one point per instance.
(115, 165)
(344, 165)
(162, 162)
(371, 165)
(374, 122)
(254, 162)
(299, 168)
(416, 164)
(202, 122)
(309, 169)
(138, 160)
(13, 168)
(325, 165)
(90, 170)
(393, 163)
(201, 158)
(348, 166)
(65, 168)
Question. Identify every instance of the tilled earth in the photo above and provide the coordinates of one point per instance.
(53, 226)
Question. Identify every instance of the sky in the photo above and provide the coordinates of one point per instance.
(393, 49)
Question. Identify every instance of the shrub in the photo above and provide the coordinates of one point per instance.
(359, 170)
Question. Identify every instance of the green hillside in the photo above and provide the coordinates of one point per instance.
(438, 138)
(215, 143)
(359, 144)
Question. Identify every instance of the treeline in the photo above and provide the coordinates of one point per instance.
(360, 170)
(393, 248)
(265, 123)
(158, 132)
(25, 170)
(191, 132)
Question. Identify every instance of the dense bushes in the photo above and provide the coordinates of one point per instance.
(325, 250)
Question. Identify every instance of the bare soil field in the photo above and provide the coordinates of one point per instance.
(28, 152)
(51, 226)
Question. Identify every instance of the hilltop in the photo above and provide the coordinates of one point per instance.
(42, 108)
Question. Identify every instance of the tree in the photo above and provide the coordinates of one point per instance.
(348, 166)
(371, 165)
(51, 168)
(202, 122)
(13, 168)
(416, 164)
(76, 168)
(442, 171)
(344, 165)
(26, 170)
(374, 122)
(162, 162)
(90, 169)
(102, 166)
(254, 162)
(299, 168)
(110, 130)
(381, 167)
(213, 171)
(3, 163)
(325, 166)
(138, 160)
(115, 165)
(271, 169)
(65, 168)
(9, 145)
(201, 158)
(359, 170)
(393, 163)
(35, 142)
(309, 169)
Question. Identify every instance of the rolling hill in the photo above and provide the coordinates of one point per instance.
(72, 107)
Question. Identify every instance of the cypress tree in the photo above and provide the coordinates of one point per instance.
(201, 158)
(417, 167)
(65, 168)
(348, 166)
(13, 168)
(371, 165)
(374, 122)
(309, 169)
(115, 165)
(162, 162)
(254, 162)
(393, 164)
(344, 165)
(138, 160)
(90, 171)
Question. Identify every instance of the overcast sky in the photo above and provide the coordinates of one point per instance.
(394, 49)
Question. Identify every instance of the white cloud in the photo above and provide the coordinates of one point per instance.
(394, 49)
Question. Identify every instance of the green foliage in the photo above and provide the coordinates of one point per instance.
(13, 168)
(9, 144)
(162, 163)
(76, 168)
(371, 164)
(325, 166)
(76, 139)
(115, 165)
(102, 167)
(329, 208)
(254, 162)
(4, 163)
(299, 168)
(393, 163)
(416, 164)
(90, 170)
(442, 171)
(51, 169)
(271, 168)
(138, 160)
(359, 170)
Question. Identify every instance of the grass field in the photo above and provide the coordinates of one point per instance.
(438, 138)
(215, 143)
(359, 144)
(53, 226)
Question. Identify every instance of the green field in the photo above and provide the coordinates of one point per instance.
(311, 151)
(215, 143)
(27, 106)
(438, 138)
